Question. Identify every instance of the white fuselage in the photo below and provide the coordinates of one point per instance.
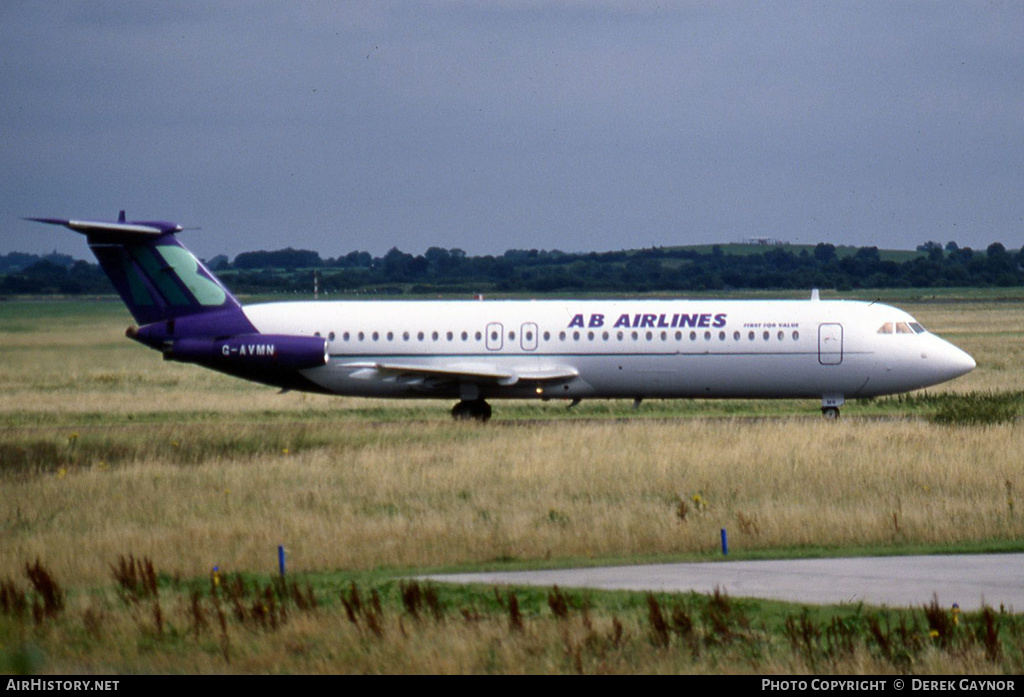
(617, 348)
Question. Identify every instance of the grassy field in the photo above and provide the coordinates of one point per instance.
(108, 454)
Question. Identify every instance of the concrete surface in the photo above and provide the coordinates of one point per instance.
(969, 580)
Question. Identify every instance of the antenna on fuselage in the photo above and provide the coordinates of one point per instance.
(815, 296)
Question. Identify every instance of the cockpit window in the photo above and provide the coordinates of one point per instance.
(901, 328)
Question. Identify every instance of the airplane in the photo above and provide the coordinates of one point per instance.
(476, 350)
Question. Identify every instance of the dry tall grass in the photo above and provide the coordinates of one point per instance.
(267, 632)
(433, 494)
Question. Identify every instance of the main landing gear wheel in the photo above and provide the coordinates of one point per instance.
(830, 413)
(476, 409)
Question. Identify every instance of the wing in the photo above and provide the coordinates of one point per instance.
(460, 372)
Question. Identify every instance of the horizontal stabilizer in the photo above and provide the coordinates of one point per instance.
(94, 227)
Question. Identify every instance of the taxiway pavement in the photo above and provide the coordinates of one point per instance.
(970, 580)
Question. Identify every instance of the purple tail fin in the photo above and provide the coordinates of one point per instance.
(155, 275)
(185, 312)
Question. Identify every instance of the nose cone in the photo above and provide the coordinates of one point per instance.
(953, 362)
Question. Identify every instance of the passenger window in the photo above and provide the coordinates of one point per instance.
(782, 335)
(796, 335)
(479, 336)
(750, 336)
(465, 336)
(391, 336)
(590, 336)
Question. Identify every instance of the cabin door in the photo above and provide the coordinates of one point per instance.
(830, 344)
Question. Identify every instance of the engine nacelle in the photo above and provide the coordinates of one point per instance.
(279, 351)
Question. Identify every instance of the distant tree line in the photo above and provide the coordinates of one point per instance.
(539, 271)
(643, 270)
(31, 274)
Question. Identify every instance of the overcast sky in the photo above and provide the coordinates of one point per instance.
(492, 124)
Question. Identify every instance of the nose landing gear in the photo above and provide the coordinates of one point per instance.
(830, 404)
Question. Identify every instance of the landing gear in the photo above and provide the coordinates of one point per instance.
(830, 413)
(472, 409)
(830, 403)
